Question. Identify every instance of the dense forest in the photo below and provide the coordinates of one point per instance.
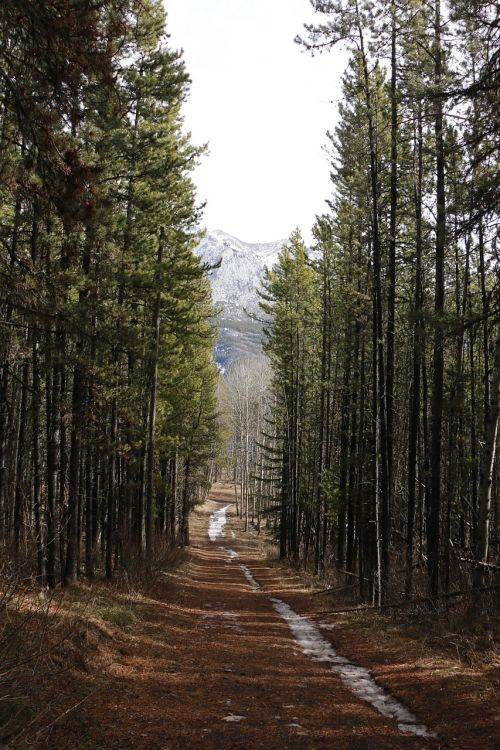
(378, 454)
(107, 383)
(215, 498)
(367, 439)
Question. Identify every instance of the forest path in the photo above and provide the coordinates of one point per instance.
(213, 665)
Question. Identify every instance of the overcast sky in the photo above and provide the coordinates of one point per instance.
(263, 105)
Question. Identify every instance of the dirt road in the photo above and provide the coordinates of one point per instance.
(215, 665)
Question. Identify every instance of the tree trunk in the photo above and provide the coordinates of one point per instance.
(417, 361)
(486, 470)
(391, 271)
(37, 470)
(71, 566)
(433, 528)
(383, 480)
(153, 390)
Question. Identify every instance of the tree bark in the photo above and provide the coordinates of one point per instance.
(486, 470)
(153, 394)
(433, 528)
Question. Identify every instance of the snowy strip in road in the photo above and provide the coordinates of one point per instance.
(217, 523)
(251, 580)
(357, 679)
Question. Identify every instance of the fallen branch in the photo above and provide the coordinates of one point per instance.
(65, 713)
(409, 602)
(354, 575)
(477, 563)
(335, 589)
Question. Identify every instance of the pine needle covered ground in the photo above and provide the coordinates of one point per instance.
(174, 665)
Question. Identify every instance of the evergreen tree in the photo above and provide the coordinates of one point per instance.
(107, 303)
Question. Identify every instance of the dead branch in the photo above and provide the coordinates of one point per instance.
(410, 602)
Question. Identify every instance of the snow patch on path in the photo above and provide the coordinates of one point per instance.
(251, 580)
(357, 679)
(217, 524)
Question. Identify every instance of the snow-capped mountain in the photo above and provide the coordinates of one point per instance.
(234, 286)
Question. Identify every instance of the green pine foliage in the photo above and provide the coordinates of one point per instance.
(107, 367)
(385, 347)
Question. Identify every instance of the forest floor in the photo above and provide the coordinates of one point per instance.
(206, 661)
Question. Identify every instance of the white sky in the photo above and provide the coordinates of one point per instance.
(264, 106)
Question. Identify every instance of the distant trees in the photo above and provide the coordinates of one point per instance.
(383, 342)
(107, 386)
(245, 400)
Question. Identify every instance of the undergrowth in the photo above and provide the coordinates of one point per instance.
(50, 643)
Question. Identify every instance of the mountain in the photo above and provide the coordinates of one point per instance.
(234, 286)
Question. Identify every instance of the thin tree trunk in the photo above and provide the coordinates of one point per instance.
(391, 290)
(37, 469)
(153, 387)
(71, 566)
(111, 494)
(20, 463)
(433, 529)
(417, 363)
(383, 481)
(486, 470)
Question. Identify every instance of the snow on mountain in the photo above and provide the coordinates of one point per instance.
(234, 286)
(235, 283)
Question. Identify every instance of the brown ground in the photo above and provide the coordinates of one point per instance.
(208, 647)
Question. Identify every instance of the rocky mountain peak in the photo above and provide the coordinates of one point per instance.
(234, 286)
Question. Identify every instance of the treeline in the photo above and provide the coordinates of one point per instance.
(384, 341)
(107, 387)
(244, 400)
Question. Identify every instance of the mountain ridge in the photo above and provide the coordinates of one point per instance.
(234, 288)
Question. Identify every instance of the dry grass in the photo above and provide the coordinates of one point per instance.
(52, 643)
